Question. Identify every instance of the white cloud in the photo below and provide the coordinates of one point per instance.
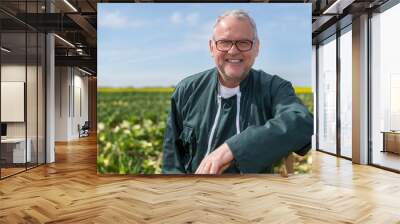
(112, 20)
(176, 18)
(180, 18)
(115, 20)
(192, 18)
(197, 39)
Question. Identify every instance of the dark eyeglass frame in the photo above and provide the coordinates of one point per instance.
(234, 42)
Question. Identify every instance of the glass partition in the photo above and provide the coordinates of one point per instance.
(385, 89)
(13, 94)
(22, 77)
(346, 92)
(31, 100)
(327, 95)
(41, 85)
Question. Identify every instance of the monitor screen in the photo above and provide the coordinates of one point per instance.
(3, 129)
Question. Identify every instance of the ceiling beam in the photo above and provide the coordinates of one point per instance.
(82, 61)
(85, 25)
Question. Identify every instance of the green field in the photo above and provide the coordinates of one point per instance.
(131, 124)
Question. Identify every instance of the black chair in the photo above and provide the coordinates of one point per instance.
(84, 130)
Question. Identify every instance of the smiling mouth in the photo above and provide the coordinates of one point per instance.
(234, 61)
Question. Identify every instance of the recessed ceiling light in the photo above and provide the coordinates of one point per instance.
(70, 5)
(64, 40)
(337, 7)
(86, 72)
(5, 50)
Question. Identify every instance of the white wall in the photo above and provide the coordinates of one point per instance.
(71, 93)
(62, 81)
(14, 72)
(80, 110)
(33, 126)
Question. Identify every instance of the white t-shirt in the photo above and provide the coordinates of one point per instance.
(228, 92)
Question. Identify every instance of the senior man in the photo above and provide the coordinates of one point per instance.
(232, 118)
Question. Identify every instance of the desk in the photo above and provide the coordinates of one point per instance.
(391, 141)
(17, 150)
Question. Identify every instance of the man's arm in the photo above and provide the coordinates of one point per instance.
(172, 163)
(290, 129)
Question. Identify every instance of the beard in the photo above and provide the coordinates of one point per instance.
(228, 78)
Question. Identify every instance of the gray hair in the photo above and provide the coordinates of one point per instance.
(239, 14)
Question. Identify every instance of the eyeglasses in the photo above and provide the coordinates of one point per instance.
(241, 45)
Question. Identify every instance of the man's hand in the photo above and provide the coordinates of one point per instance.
(217, 161)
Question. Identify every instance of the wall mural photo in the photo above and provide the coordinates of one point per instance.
(204, 89)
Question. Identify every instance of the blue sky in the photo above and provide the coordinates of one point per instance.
(150, 44)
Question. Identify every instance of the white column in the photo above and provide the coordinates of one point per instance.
(360, 90)
(50, 93)
(50, 101)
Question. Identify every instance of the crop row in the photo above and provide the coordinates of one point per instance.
(131, 129)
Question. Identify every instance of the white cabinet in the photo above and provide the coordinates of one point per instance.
(18, 149)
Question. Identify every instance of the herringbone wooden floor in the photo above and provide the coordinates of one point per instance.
(69, 191)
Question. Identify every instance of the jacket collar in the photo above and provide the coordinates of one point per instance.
(243, 85)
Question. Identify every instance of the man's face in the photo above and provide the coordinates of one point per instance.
(233, 65)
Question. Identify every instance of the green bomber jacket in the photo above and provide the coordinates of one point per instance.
(262, 124)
